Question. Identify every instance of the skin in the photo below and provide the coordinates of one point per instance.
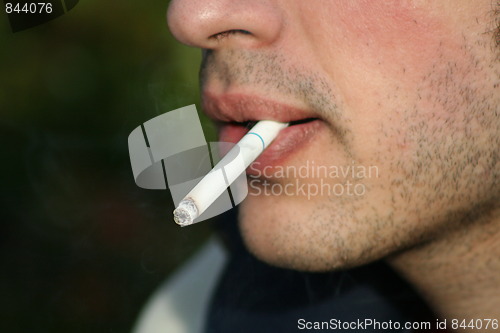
(411, 87)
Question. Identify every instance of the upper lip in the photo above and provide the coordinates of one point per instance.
(244, 108)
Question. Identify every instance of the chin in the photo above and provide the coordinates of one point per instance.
(304, 235)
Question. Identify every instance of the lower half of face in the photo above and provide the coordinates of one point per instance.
(407, 147)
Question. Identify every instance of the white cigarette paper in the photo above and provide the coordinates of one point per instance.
(210, 188)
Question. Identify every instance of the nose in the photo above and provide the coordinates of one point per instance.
(211, 24)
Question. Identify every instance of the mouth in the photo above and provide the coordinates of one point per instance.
(235, 115)
(249, 124)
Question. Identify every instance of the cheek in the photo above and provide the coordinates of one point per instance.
(376, 43)
(389, 33)
(383, 52)
(364, 42)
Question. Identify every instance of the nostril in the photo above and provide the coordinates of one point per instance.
(227, 33)
(241, 31)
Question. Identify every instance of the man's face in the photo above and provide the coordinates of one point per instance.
(403, 97)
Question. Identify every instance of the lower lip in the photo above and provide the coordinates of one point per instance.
(288, 142)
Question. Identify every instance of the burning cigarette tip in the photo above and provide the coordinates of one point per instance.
(186, 212)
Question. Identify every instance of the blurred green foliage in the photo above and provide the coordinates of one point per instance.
(81, 246)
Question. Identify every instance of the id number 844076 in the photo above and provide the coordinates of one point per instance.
(29, 8)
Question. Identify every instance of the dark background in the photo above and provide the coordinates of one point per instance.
(81, 247)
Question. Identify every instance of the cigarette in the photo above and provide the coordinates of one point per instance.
(211, 187)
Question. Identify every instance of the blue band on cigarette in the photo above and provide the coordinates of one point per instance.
(263, 144)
